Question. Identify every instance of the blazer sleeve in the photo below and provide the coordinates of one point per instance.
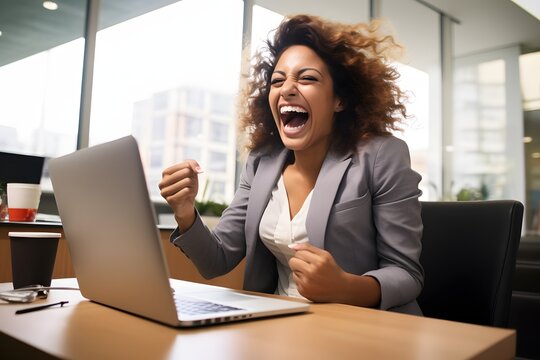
(217, 252)
(397, 219)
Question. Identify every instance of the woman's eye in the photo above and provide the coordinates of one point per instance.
(309, 78)
(276, 81)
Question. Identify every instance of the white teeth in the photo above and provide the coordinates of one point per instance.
(295, 127)
(297, 109)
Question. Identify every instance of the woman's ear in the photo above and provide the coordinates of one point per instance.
(339, 106)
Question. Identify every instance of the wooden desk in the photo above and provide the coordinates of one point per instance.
(85, 330)
(180, 267)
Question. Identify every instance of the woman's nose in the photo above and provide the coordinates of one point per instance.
(289, 88)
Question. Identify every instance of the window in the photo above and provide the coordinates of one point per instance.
(417, 29)
(219, 132)
(194, 127)
(530, 88)
(416, 129)
(41, 58)
(160, 101)
(221, 104)
(480, 100)
(530, 80)
(156, 157)
(218, 161)
(158, 128)
(485, 165)
(185, 67)
(195, 98)
(218, 190)
(191, 152)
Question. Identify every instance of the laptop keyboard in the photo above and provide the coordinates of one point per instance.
(199, 307)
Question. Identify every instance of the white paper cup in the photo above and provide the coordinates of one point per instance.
(23, 201)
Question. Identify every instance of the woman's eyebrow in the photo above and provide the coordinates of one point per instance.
(301, 71)
(279, 72)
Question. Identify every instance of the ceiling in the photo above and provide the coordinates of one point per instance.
(27, 28)
(490, 24)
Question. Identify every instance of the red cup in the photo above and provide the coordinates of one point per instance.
(22, 214)
(23, 201)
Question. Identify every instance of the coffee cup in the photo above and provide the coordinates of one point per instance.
(23, 201)
(32, 257)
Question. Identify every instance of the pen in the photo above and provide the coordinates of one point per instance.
(37, 308)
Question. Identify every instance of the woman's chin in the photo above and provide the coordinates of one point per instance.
(294, 144)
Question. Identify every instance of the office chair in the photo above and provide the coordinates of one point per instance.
(469, 253)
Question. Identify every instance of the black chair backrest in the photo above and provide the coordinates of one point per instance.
(469, 253)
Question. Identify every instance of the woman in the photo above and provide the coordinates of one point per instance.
(327, 206)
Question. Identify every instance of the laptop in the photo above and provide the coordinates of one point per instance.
(115, 246)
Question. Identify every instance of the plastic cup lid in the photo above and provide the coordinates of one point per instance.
(34, 234)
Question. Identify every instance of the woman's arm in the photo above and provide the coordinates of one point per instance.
(217, 252)
(398, 223)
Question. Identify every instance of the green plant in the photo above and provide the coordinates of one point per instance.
(470, 193)
(210, 207)
(3, 200)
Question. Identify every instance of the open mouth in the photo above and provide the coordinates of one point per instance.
(293, 116)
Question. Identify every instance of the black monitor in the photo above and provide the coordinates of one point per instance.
(19, 168)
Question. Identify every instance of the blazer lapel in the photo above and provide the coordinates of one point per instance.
(324, 193)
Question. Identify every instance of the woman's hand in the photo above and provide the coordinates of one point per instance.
(316, 273)
(319, 278)
(179, 186)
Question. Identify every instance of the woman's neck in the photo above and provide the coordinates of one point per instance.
(309, 162)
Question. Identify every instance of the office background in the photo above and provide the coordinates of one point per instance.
(168, 72)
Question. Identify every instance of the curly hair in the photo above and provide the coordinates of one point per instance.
(357, 57)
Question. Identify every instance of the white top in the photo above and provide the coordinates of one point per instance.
(277, 231)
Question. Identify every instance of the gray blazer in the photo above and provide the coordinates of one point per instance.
(364, 210)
